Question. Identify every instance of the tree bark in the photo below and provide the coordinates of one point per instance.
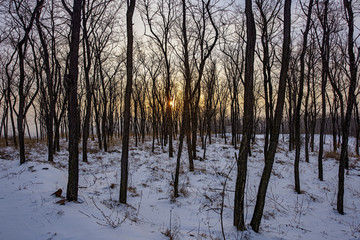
(324, 75)
(299, 100)
(50, 89)
(185, 129)
(350, 103)
(239, 221)
(127, 110)
(88, 86)
(73, 107)
(274, 137)
(21, 48)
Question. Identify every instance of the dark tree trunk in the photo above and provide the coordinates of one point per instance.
(269, 11)
(185, 129)
(104, 125)
(97, 123)
(290, 113)
(57, 121)
(274, 137)
(333, 107)
(127, 110)
(306, 114)
(73, 107)
(239, 221)
(20, 117)
(194, 123)
(4, 123)
(299, 100)
(169, 122)
(350, 103)
(88, 86)
(313, 114)
(50, 90)
(357, 128)
(9, 75)
(324, 75)
(135, 120)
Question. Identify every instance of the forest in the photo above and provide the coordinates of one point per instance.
(240, 112)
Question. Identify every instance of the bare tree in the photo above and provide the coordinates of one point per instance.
(211, 102)
(222, 92)
(71, 80)
(127, 99)
(239, 221)
(160, 22)
(300, 96)
(357, 115)
(313, 93)
(21, 47)
(48, 94)
(274, 137)
(233, 64)
(87, 58)
(322, 10)
(349, 14)
(185, 125)
(269, 28)
(153, 63)
(205, 42)
(9, 95)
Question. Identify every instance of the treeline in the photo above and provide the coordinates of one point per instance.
(193, 68)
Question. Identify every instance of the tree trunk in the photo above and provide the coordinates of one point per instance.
(299, 100)
(88, 87)
(21, 115)
(194, 123)
(357, 128)
(324, 75)
(51, 104)
(239, 221)
(274, 137)
(306, 114)
(350, 103)
(185, 129)
(127, 110)
(73, 107)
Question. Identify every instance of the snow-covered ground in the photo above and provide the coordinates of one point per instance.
(29, 211)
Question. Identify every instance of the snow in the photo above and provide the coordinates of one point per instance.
(29, 211)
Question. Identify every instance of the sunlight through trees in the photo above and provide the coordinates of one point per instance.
(179, 74)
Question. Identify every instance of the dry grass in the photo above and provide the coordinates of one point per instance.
(269, 215)
(280, 149)
(5, 156)
(352, 165)
(202, 170)
(332, 154)
(28, 142)
(281, 162)
(133, 192)
(92, 150)
(353, 155)
(184, 192)
(132, 189)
